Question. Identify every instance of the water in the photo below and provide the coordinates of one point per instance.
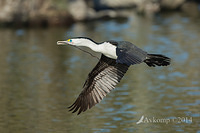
(39, 79)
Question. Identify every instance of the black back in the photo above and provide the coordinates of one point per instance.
(129, 54)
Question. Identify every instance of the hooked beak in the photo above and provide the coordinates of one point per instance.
(63, 43)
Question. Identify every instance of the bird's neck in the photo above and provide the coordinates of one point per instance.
(93, 46)
(105, 48)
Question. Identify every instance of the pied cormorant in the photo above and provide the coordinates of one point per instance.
(115, 60)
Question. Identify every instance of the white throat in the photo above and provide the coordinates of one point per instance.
(105, 48)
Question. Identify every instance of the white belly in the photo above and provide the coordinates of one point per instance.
(109, 50)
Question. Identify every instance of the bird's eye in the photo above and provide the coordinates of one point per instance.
(69, 40)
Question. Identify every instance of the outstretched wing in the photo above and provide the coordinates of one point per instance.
(101, 80)
(128, 53)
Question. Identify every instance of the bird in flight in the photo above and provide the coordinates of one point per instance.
(116, 58)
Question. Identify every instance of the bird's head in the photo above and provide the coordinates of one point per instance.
(79, 41)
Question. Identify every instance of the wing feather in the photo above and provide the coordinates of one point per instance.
(101, 81)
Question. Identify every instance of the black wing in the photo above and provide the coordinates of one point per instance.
(129, 54)
(101, 80)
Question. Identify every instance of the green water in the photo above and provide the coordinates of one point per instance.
(39, 79)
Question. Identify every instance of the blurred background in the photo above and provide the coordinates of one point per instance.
(39, 79)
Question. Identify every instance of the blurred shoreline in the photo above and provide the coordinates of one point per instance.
(37, 13)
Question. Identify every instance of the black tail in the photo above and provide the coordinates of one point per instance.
(157, 59)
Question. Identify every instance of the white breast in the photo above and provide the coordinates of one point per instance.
(108, 50)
